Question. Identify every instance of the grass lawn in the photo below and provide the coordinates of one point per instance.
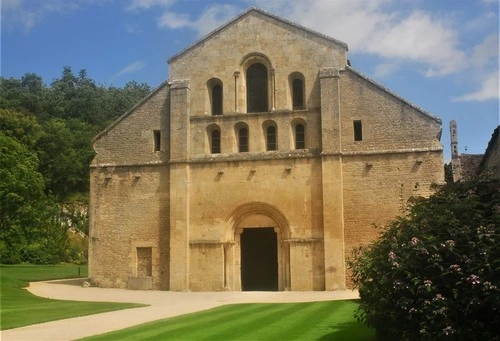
(20, 308)
(256, 321)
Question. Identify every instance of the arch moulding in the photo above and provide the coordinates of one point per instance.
(255, 214)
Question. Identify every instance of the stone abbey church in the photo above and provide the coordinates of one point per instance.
(261, 162)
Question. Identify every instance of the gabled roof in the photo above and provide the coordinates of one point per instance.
(247, 12)
(119, 119)
(426, 113)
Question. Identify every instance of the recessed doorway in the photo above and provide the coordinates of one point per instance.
(259, 259)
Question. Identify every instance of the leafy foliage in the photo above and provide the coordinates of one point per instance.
(45, 151)
(26, 214)
(435, 273)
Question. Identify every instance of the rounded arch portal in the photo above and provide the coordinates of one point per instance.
(265, 224)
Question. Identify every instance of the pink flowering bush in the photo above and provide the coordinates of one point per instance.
(434, 274)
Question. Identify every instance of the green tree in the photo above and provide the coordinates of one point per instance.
(22, 127)
(65, 153)
(22, 200)
(25, 95)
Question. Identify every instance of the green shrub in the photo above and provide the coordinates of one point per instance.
(435, 273)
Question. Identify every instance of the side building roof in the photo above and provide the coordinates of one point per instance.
(383, 88)
(119, 119)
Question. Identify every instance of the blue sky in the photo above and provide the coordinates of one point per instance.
(442, 55)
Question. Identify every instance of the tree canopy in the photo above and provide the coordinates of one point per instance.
(57, 122)
(46, 136)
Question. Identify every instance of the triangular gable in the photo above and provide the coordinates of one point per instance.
(122, 117)
(383, 88)
(247, 12)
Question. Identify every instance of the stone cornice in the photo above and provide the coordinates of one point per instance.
(266, 156)
(234, 116)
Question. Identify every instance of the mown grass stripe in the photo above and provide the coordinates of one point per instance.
(301, 322)
(332, 320)
(185, 324)
(234, 330)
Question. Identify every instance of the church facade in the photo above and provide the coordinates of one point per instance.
(259, 165)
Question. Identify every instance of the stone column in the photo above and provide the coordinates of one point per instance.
(179, 185)
(228, 266)
(236, 78)
(273, 89)
(332, 185)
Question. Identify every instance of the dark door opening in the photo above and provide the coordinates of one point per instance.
(259, 259)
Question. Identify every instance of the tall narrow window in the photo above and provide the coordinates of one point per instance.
(256, 81)
(217, 99)
(298, 94)
(215, 142)
(157, 140)
(243, 140)
(300, 137)
(271, 138)
(358, 131)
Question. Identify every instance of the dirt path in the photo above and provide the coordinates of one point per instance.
(163, 304)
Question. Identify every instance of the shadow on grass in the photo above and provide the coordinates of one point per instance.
(350, 331)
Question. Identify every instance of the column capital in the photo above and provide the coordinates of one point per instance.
(329, 72)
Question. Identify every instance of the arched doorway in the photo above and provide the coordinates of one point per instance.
(257, 252)
(259, 259)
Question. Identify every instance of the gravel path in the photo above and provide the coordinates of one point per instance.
(163, 304)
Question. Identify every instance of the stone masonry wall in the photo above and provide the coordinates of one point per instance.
(388, 123)
(128, 210)
(130, 139)
(287, 48)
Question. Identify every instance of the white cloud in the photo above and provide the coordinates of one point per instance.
(489, 91)
(174, 20)
(30, 13)
(8, 5)
(420, 38)
(131, 68)
(147, 4)
(133, 28)
(385, 69)
(484, 71)
(486, 52)
(209, 20)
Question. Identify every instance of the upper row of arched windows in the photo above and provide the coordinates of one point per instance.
(257, 86)
(242, 137)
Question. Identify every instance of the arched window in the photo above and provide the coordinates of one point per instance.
(217, 99)
(215, 142)
(298, 94)
(271, 138)
(256, 79)
(300, 137)
(243, 140)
